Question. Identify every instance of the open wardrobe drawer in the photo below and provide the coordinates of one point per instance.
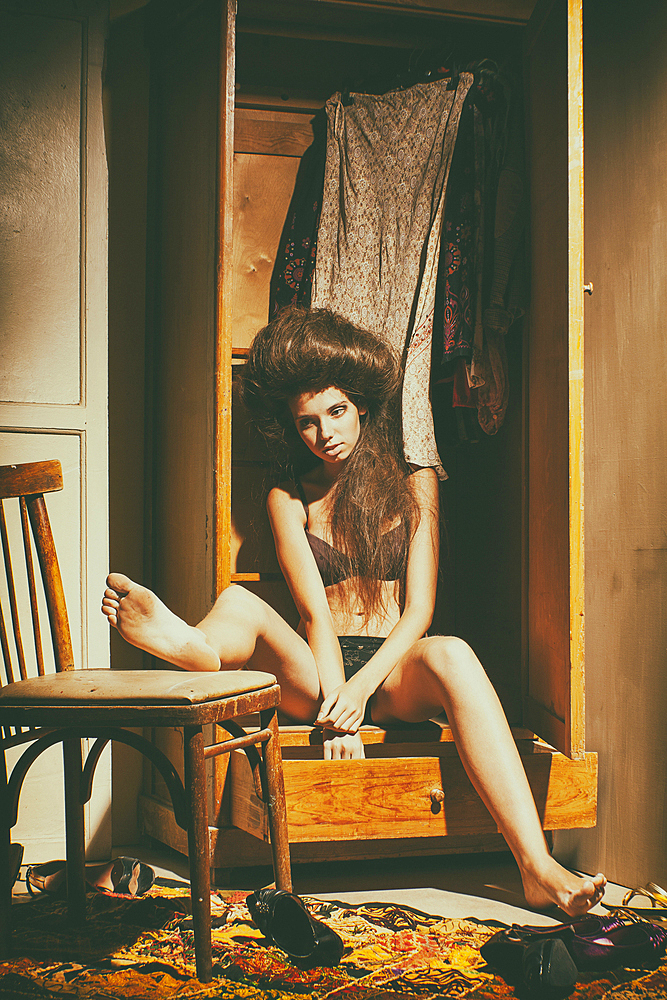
(405, 790)
(410, 795)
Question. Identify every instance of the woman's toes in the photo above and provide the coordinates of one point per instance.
(118, 582)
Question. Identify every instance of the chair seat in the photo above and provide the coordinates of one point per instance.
(134, 687)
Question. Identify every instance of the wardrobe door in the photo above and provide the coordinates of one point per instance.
(224, 297)
(554, 593)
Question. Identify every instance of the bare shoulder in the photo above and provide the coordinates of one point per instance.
(284, 501)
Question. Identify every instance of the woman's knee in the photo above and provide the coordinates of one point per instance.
(240, 603)
(446, 653)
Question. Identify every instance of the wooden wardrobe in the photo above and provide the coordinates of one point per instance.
(233, 93)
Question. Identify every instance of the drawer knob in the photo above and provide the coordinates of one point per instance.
(437, 797)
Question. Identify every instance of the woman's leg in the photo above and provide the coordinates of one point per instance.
(443, 673)
(240, 630)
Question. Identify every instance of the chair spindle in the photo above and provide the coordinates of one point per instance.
(11, 589)
(30, 567)
(53, 585)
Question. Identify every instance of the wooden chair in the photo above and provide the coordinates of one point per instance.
(67, 705)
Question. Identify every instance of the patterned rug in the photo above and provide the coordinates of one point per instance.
(144, 949)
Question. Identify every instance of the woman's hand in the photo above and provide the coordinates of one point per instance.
(344, 708)
(342, 746)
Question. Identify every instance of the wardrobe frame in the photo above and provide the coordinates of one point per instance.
(333, 811)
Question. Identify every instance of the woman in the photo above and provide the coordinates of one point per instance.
(356, 534)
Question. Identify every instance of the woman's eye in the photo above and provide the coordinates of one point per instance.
(338, 411)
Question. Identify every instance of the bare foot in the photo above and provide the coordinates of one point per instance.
(146, 622)
(555, 885)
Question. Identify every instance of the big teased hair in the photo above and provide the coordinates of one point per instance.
(309, 350)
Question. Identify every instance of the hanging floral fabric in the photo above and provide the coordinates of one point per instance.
(291, 281)
(388, 160)
(479, 291)
(454, 321)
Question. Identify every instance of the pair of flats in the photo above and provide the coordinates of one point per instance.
(548, 960)
(284, 919)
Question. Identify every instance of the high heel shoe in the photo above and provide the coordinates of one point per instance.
(284, 919)
(126, 876)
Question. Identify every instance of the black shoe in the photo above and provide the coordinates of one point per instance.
(536, 957)
(283, 918)
(15, 859)
(548, 969)
(505, 949)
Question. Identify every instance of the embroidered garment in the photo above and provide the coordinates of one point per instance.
(388, 160)
(454, 323)
(291, 280)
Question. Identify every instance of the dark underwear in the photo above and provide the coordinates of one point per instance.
(357, 651)
(335, 566)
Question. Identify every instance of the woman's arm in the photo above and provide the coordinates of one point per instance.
(297, 562)
(344, 708)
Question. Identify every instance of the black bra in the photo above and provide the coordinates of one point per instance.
(335, 566)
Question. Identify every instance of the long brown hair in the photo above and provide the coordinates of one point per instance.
(309, 350)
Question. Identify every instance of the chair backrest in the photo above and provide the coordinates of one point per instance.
(27, 583)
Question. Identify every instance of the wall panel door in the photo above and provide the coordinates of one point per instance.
(53, 341)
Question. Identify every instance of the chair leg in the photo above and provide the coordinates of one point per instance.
(74, 832)
(5, 887)
(198, 848)
(277, 808)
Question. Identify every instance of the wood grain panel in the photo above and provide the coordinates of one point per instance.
(188, 399)
(514, 11)
(626, 439)
(232, 848)
(348, 800)
(224, 292)
(505, 11)
(554, 702)
(266, 132)
(263, 188)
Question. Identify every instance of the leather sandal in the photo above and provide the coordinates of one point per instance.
(124, 876)
(284, 919)
(652, 891)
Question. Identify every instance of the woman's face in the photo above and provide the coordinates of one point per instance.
(328, 422)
